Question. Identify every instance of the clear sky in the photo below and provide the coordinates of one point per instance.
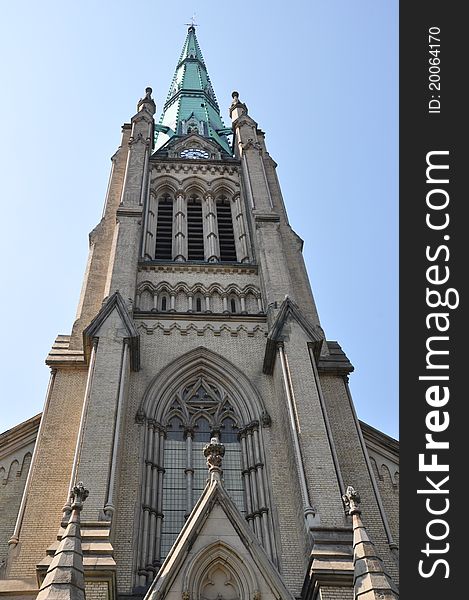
(320, 78)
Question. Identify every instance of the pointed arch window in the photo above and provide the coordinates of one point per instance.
(200, 410)
(164, 228)
(179, 424)
(225, 230)
(233, 306)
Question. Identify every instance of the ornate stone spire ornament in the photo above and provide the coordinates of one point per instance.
(237, 107)
(64, 579)
(371, 582)
(214, 452)
(147, 102)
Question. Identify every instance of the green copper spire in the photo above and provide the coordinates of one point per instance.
(191, 105)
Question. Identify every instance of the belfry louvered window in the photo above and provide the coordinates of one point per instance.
(164, 229)
(195, 230)
(225, 230)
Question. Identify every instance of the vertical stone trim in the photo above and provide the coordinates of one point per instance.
(266, 182)
(189, 471)
(159, 505)
(246, 480)
(239, 229)
(172, 299)
(309, 511)
(124, 374)
(247, 179)
(225, 303)
(255, 487)
(155, 452)
(149, 538)
(67, 507)
(146, 504)
(19, 519)
(180, 228)
(259, 304)
(155, 301)
(242, 301)
(144, 187)
(212, 247)
(137, 300)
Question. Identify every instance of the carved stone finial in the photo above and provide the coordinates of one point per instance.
(214, 452)
(351, 500)
(147, 102)
(79, 495)
(237, 108)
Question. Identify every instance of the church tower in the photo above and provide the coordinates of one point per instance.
(197, 339)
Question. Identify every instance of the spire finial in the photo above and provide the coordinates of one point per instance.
(192, 24)
(214, 452)
(147, 102)
(351, 500)
(370, 580)
(65, 579)
(79, 495)
(237, 107)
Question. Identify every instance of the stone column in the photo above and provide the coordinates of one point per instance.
(180, 228)
(212, 248)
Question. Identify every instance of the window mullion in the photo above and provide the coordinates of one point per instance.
(189, 471)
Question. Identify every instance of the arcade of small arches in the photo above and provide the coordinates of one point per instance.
(198, 298)
(197, 224)
(182, 410)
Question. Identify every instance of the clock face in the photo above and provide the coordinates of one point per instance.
(193, 153)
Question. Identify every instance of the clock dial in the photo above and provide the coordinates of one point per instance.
(193, 153)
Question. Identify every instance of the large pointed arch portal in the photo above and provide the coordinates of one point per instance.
(199, 395)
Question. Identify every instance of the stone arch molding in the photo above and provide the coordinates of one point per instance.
(240, 580)
(202, 362)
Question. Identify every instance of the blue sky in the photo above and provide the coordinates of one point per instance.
(320, 78)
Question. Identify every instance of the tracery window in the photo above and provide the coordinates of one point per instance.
(184, 407)
(199, 411)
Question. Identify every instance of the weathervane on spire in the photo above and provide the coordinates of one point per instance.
(192, 23)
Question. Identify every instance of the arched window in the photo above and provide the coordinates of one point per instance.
(164, 303)
(164, 229)
(225, 230)
(207, 411)
(195, 230)
(180, 413)
(233, 307)
(198, 303)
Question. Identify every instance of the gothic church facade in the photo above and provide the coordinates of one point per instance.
(197, 338)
